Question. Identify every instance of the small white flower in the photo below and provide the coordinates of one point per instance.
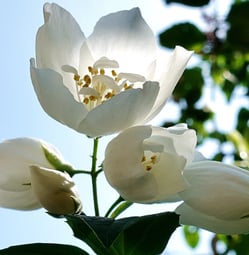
(107, 82)
(144, 164)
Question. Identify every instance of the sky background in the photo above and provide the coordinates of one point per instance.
(22, 116)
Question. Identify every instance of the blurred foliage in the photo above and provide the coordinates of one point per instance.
(221, 66)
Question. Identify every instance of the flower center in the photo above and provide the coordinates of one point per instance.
(149, 159)
(102, 82)
(151, 154)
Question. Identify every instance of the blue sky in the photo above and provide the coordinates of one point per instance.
(21, 114)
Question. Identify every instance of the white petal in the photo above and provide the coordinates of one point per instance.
(168, 175)
(55, 98)
(125, 37)
(15, 157)
(127, 148)
(176, 140)
(189, 216)
(19, 200)
(217, 189)
(55, 190)
(104, 62)
(171, 73)
(122, 111)
(107, 81)
(89, 91)
(131, 77)
(59, 40)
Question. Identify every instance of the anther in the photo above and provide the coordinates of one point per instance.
(102, 71)
(86, 100)
(87, 79)
(148, 168)
(76, 77)
(114, 73)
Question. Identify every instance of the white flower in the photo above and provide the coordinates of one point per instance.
(217, 198)
(107, 82)
(55, 190)
(144, 164)
(16, 157)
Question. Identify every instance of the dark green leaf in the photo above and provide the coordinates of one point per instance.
(184, 34)
(42, 249)
(238, 18)
(129, 236)
(148, 235)
(194, 3)
(190, 86)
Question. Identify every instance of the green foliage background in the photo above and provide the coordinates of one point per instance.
(222, 55)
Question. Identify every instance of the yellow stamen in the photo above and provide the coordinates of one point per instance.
(86, 100)
(76, 77)
(102, 71)
(114, 73)
(87, 79)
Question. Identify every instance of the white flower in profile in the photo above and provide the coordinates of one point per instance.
(145, 164)
(217, 198)
(20, 183)
(107, 82)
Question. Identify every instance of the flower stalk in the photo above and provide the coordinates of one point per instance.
(94, 174)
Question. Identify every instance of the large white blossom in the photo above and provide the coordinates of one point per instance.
(217, 198)
(144, 164)
(107, 82)
(17, 190)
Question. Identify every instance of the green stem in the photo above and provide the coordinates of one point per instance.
(119, 200)
(73, 172)
(94, 175)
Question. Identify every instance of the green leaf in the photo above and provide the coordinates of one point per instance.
(43, 248)
(127, 236)
(237, 34)
(184, 34)
(193, 3)
(186, 90)
(148, 235)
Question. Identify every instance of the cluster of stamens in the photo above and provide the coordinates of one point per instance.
(102, 82)
(149, 160)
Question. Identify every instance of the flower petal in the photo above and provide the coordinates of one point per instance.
(124, 36)
(55, 98)
(58, 42)
(217, 189)
(170, 73)
(168, 176)
(192, 217)
(20, 200)
(121, 111)
(15, 157)
(178, 140)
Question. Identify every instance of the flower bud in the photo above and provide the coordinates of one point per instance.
(55, 190)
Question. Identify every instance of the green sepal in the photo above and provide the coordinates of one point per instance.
(56, 162)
